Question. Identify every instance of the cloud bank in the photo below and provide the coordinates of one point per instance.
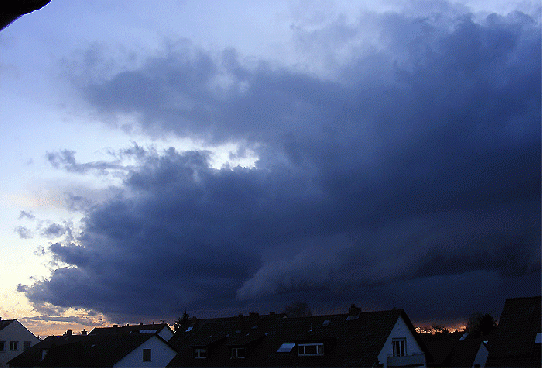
(407, 176)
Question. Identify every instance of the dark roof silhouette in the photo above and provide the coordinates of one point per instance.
(439, 346)
(5, 322)
(513, 344)
(10, 10)
(463, 353)
(348, 340)
(129, 329)
(80, 350)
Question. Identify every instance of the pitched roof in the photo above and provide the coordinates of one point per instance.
(5, 322)
(463, 353)
(347, 341)
(513, 344)
(143, 328)
(439, 346)
(81, 351)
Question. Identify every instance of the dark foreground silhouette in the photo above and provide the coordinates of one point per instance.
(13, 9)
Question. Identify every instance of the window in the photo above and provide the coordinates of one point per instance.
(146, 355)
(26, 345)
(2, 345)
(237, 353)
(399, 347)
(200, 353)
(310, 349)
(286, 347)
(14, 345)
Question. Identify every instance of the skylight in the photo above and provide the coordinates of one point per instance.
(286, 347)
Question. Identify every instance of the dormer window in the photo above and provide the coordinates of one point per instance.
(310, 349)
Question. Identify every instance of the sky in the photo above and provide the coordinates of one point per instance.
(237, 156)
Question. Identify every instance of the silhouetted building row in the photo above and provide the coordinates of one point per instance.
(354, 339)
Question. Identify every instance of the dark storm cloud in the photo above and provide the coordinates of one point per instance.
(416, 168)
(70, 319)
(55, 230)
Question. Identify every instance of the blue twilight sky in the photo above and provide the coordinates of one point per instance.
(236, 156)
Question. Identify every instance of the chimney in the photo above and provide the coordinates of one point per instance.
(84, 332)
(354, 311)
(115, 326)
(69, 332)
(141, 323)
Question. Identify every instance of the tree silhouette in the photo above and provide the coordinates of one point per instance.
(480, 324)
(182, 323)
(297, 309)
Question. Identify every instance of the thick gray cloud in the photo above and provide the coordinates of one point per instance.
(27, 215)
(24, 232)
(66, 159)
(416, 167)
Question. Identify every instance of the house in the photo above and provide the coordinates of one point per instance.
(14, 339)
(359, 339)
(516, 342)
(161, 329)
(99, 350)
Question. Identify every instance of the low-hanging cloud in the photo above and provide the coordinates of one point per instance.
(418, 161)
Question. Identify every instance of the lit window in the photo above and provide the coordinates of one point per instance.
(13, 345)
(311, 349)
(146, 355)
(200, 353)
(238, 353)
(399, 347)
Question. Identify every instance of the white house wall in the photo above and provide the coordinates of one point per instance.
(161, 355)
(400, 330)
(481, 356)
(15, 331)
